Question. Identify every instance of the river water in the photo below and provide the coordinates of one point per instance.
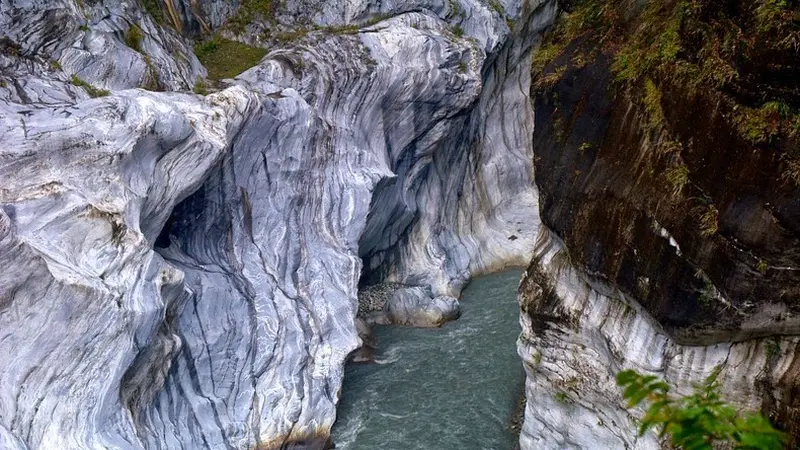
(451, 388)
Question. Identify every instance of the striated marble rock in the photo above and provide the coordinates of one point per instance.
(109, 44)
(394, 303)
(416, 307)
(85, 189)
(579, 331)
(182, 271)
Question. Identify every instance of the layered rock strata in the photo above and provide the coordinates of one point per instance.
(181, 271)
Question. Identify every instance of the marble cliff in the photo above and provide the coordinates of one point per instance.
(181, 270)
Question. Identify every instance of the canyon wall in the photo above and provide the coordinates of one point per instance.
(669, 245)
(181, 270)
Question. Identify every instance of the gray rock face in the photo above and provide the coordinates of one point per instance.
(93, 41)
(578, 332)
(415, 307)
(181, 271)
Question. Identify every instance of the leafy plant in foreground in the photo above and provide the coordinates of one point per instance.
(697, 421)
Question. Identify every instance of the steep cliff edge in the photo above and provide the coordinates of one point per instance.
(666, 149)
(182, 270)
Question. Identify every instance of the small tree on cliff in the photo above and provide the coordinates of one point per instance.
(697, 421)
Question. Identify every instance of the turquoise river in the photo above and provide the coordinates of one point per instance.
(451, 388)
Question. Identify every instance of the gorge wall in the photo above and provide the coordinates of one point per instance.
(670, 229)
(181, 270)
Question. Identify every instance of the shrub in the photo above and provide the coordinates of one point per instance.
(678, 178)
(762, 266)
(497, 6)
(91, 90)
(773, 349)
(248, 12)
(709, 221)
(698, 421)
(652, 104)
(134, 37)
(225, 58)
(153, 7)
(562, 397)
(200, 87)
(151, 81)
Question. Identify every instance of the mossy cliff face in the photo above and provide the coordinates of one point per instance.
(654, 187)
(665, 154)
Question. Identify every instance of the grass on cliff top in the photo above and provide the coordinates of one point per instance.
(225, 58)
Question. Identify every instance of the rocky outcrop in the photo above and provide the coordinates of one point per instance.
(181, 271)
(669, 246)
(109, 44)
(579, 331)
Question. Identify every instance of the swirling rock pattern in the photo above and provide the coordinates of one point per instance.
(181, 271)
(578, 332)
(88, 39)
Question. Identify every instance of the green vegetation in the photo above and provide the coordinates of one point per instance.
(698, 421)
(134, 37)
(153, 7)
(562, 397)
(457, 31)
(248, 12)
(678, 178)
(462, 67)
(91, 90)
(152, 83)
(709, 293)
(652, 104)
(739, 56)
(762, 266)
(709, 221)
(291, 36)
(544, 56)
(773, 349)
(791, 171)
(343, 29)
(200, 87)
(225, 58)
(579, 17)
